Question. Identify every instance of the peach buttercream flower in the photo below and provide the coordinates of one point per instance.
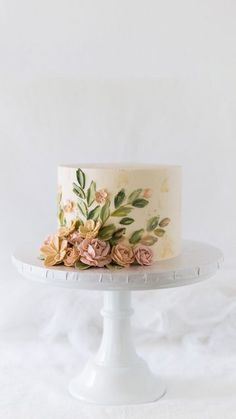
(67, 230)
(90, 229)
(147, 193)
(143, 254)
(54, 252)
(101, 196)
(95, 252)
(71, 257)
(123, 255)
(69, 206)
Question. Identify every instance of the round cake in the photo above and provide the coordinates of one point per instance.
(127, 215)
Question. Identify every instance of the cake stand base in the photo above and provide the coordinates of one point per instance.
(117, 375)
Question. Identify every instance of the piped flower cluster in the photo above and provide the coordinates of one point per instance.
(90, 239)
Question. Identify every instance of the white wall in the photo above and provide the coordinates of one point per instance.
(141, 81)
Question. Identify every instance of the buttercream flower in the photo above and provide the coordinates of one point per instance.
(67, 230)
(69, 206)
(71, 257)
(54, 252)
(147, 193)
(90, 229)
(74, 238)
(143, 254)
(95, 252)
(101, 196)
(48, 239)
(123, 255)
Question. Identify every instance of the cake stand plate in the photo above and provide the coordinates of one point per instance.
(117, 374)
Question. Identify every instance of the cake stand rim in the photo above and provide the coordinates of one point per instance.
(198, 261)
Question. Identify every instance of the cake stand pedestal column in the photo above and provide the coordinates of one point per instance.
(117, 374)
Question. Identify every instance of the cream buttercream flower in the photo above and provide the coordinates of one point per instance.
(65, 231)
(54, 252)
(101, 196)
(90, 229)
(48, 239)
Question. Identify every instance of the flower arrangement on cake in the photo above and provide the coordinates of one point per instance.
(92, 239)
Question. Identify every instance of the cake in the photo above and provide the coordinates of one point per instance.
(115, 216)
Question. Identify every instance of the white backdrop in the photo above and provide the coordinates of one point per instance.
(108, 81)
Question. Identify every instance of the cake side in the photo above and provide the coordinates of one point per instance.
(130, 206)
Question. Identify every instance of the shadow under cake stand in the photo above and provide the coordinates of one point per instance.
(117, 374)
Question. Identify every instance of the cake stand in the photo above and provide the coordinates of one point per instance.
(117, 374)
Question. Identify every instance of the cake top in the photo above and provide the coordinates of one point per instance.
(127, 166)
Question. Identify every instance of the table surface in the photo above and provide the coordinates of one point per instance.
(198, 261)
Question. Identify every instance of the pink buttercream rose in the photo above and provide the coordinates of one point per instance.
(122, 255)
(143, 255)
(95, 252)
(75, 238)
(101, 196)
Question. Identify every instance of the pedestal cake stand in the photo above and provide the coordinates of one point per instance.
(117, 374)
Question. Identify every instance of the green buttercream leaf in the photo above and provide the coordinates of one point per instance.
(113, 267)
(81, 178)
(134, 195)
(159, 232)
(149, 240)
(94, 213)
(81, 266)
(61, 217)
(136, 236)
(164, 222)
(117, 236)
(140, 203)
(126, 221)
(83, 208)
(119, 198)
(121, 212)
(119, 233)
(105, 212)
(106, 232)
(152, 223)
(91, 193)
(59, 198)
(78, 191)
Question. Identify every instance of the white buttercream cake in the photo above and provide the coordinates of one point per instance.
(136, 208)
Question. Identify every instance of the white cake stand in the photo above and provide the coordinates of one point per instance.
(116, 374)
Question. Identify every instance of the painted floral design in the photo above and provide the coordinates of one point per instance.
(93, 239)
